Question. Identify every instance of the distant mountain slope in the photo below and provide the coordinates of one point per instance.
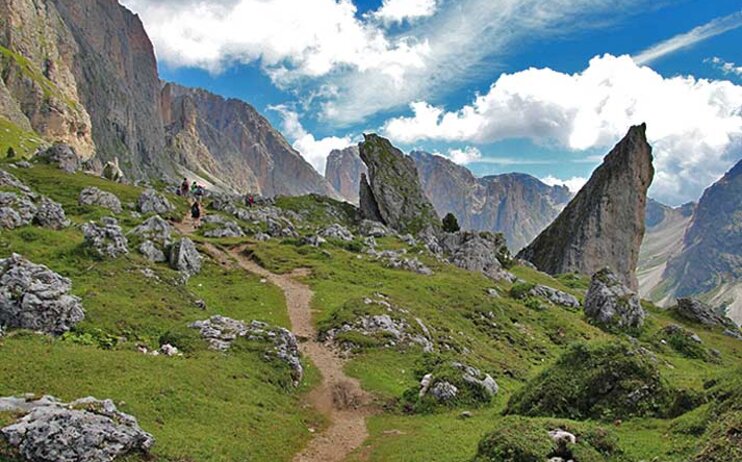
(343, 171)
(228, 142)
(517, 205)
(711, 259)
(666, 227)
(604, 224)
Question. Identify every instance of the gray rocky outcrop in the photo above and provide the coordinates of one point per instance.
(604, 224)
(106, 239)
(557, 297)
(443, 391)
(36, 298)
(61, 155)
(151, 252)
(392, 193)
(220, 332)
(480, 252)
(84, 430)
(97, 197)
(373, 229)
(112, 171)
(10, 181)
(185, 258)
(150, 201)
(50, 214)
(226, 228)
(696, 311)
(338, 232)
(155, 229)
(475, 378)
(343, 171)
(398, 259)
(611, 304)
(16, 210)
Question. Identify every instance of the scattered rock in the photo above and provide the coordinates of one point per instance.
(338, 232)
(555, 296)
(227, 229)
(185, 258)
(34, 297)
(10, 181)
(150, 201)
(15, 210)
(50, 214)
(443, 391)
(314, 241)
(373, 229)
(112, 171)
(151, 252)
(106, 239)
(261, 237)
(100, 198)
(169, 350)
(84, 430)
(220, 332)
(609, 303)
(477, 379)
(61, 155)
(281, 228)
(155, 229)
(480, 252)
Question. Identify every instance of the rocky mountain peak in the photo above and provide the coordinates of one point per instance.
(392, 192)
(343, 170)
(604, 224)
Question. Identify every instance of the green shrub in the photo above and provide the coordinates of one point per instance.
(92, 337)
(450, 223)
(185, 339)
(520, 290)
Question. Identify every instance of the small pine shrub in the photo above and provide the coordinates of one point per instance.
(451, 224)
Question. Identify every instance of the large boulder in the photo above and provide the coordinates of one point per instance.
(150, 201)
(106, 239)
(185, 258)
(84, 430)
(36, 298)
(392, 193)
(460, 382)
(151, 252)
(61, 155)
(50, 214)
(610, 304)
(112, 171)
(338, 232)
(10, 181)
(480, 252)
(604, 224)
(100, 198)
(155, 229)
(16, 210)
(220, 332)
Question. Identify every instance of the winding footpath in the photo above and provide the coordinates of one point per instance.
(338, 397)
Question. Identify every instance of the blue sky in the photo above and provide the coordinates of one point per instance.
(325, 71)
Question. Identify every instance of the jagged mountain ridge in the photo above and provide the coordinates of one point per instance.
(604, 224)
(92, 82)
(231, 144)
(517, 205)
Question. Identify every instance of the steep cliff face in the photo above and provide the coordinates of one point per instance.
(228, 142)
(116, 73)
(517, 205)
(38, 90)
(343, 171)
(392, 194)
(711, 260)
(604, 224)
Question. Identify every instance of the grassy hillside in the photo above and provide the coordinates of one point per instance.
(208, 406)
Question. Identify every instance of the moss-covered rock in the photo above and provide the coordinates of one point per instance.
(518, 439)
(603, 381)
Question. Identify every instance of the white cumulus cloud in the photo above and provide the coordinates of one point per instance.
(574, 184)
(694, 125)
(725, 66)
(314, 150)
(398, 11)
(464, 156)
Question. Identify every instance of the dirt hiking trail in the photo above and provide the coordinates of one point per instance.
(338, 397)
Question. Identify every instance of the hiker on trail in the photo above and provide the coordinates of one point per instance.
(184, 187)
(196, 213)
(199, 193)
(250, 200)
(194, 185)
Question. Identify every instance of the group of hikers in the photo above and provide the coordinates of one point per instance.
(196, 191)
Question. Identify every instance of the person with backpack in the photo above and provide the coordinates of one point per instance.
(196, 213)
(184, 188)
